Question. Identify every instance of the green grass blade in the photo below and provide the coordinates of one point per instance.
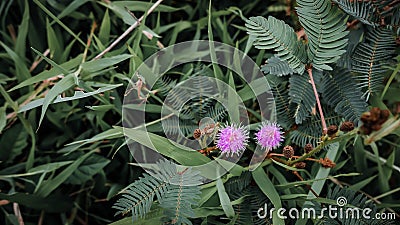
(22, 72)
(224, 199)
(62, 69)
(105, 28)
(267, 187)
(50, 185)
(20, 44)
(63, 85)
(59, 21)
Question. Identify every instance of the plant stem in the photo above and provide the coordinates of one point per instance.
(321, 113)
(130, 29)
(321, 145)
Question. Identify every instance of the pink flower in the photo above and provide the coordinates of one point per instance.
(269, 135)
(232, 139)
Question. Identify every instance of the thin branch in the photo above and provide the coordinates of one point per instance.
(322, 145)
(321, 113)
(38, 60)
(130, 29)
(18, 214)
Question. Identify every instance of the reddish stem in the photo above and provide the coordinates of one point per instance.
(324, 129)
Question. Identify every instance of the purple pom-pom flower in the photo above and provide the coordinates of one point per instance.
(269, 135)
(232, 139)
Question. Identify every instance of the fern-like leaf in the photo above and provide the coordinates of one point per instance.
(370, 56)
(238, 184)
(364, 11)
(302, 94)
(274, 34)
(257, 200)
(178, 202)
(175, 126)
(139, 197)
(326, 31)
(217, 113)
(164, 84)
(276, 66)
(284, 110)
(242, 210)
(310, 130)
(394, 20)
(181, 195)
(342, 93)
(355, 37)
(174, 189)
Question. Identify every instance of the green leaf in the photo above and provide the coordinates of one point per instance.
(341, 92)
(55, 44)
(12, 142)
(99, 64)
(153, 217)
(234, 102)
(119, 8)
(233, 168)
(266, 186)
(180, 153)
(276, 66)
(20, 44)
(48, 167)
(383, 178)
(77, 95)
(34, 201)
(206, 194)
(71, 8)
(116, 132)
(224, 199)
(3, 118)
(326, 31)
(50, 185)
(208, 211)
(67, 66)
(320, 178)
(362, 10)
(22, 72)
(358, 186)
(301, 93)
(37, 2)
(324, 172)
(370, 57)
(274, 34)
(87, 169)
(105, 27)
(61, 86)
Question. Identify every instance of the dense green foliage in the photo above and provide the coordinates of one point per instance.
(64, 158)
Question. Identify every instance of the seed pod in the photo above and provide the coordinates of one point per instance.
(332, 129)
(373, 120)
(384, 115)
(197, 134)
(288, 151)
(300, 165)
(327, 163)
(347, 126)
(308, 148)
